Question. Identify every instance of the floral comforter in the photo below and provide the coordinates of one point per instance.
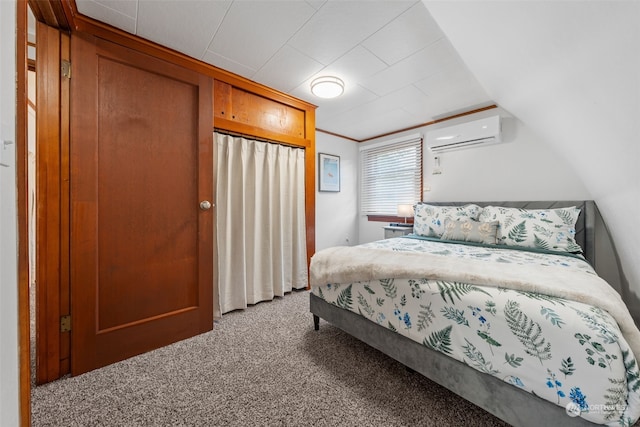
(567, 352)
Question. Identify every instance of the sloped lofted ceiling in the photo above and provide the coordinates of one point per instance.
(570, 71)
(398, 67)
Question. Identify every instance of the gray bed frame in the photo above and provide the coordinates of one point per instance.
(501, 399)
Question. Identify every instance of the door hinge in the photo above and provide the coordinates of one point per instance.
(66, 68)
(65, 323)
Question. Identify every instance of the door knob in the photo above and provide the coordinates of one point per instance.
(205, 205)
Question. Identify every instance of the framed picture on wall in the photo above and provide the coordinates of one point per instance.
(328, 172)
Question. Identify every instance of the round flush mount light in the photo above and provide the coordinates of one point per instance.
(327, 87)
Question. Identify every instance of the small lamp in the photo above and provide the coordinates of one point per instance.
(405, 211)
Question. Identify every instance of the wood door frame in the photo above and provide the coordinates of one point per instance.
(22, 158)
(52, 204)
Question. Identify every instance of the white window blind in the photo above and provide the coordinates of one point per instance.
(390, 174)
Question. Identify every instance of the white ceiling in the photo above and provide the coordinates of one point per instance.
(398, 67)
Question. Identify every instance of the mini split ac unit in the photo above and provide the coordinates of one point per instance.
(471, 134)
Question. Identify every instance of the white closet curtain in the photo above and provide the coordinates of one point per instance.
(261, 232)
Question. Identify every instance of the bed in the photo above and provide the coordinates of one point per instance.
(498, 302)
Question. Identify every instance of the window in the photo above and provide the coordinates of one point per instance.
(390, 174)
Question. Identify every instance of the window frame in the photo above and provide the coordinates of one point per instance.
(387, 147)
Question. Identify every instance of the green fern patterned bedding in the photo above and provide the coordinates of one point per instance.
(570, 353)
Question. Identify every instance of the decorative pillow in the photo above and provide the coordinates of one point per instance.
(429, 220)
(471, 231)
(551, 229)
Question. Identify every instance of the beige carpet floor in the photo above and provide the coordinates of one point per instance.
(264, 366)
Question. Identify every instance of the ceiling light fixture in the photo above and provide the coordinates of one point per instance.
(327, 87)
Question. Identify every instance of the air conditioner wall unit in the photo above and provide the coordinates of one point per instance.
(470, 134)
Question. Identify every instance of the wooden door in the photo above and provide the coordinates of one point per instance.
(141, 162)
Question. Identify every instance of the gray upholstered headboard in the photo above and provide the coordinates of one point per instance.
(585, 226)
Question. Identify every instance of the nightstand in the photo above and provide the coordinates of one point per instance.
(395, 231)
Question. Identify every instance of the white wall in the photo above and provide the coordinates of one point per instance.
(571, 72)
(336, 213)
(370, 231)
(9, 388)
(523, 167)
